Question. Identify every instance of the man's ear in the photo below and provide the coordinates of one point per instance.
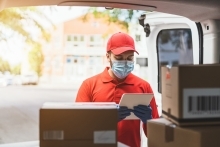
(108, 56)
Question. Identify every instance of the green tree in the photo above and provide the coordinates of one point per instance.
(119, 16)
(18, 21)
(36, 58)
(21, 22)
(16, 70)
(4, 65)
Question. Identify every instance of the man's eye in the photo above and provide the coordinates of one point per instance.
(118, 58)
(130, 59)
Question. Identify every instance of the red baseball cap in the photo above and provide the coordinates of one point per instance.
(120, 42)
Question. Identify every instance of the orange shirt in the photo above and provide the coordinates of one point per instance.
(102, 88)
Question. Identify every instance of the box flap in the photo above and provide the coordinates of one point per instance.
(162, 121)
(169, 128)
(79, 105)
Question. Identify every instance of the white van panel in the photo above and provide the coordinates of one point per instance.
(211, 31)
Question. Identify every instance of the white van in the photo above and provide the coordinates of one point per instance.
(172, 40)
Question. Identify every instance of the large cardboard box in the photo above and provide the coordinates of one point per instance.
(191, 94)
(78, 125)
(163, 133)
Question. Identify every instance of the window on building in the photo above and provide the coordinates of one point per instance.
(92, 39)
(138, 37)
(91, 60)
(78, 40)
(142, 61)
(81, 38)
(68, 60)
(75, 61)
(96, 41)
(69, 38)
(81, 60)
(75, 38)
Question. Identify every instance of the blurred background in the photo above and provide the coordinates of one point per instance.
(46, 53)
(63, 45)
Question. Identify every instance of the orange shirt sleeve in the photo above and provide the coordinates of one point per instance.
(153, 104)
(84, 93)
(154, 109)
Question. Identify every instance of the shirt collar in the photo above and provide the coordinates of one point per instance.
(107, 78)
(129, 79)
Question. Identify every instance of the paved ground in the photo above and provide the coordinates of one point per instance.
(19, 110)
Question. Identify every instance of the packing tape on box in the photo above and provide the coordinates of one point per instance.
(169, 132)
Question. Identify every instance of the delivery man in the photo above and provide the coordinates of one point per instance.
(116, 80)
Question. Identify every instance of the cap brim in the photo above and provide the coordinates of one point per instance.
(121, 50)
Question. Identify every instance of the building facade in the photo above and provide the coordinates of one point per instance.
(78, 48)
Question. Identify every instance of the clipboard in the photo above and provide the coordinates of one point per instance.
(133, 99)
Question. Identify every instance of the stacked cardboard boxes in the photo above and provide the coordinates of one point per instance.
(190, 107)
(164, 133)
(78, 125)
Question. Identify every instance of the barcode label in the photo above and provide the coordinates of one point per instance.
(53, 135)
(105, 137)
(201, 103)
(204, 103)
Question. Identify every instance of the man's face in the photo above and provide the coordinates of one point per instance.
(128, 55)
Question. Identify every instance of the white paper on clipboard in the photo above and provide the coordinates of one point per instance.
(133, 99)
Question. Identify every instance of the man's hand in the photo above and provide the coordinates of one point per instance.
(123, 112)
(143, 112)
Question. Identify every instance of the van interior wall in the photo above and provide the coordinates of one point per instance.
(211, 38)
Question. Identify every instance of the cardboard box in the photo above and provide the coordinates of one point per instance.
(163, 133)
(191, 94)
(36, 144)
(78, 125)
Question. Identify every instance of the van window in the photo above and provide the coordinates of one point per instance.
(174, 47)
(142, 61)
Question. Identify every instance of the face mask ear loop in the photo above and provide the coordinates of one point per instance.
(111, 63)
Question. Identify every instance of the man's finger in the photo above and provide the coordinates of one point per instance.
(125, 113)
(137, 113)
(123, 108)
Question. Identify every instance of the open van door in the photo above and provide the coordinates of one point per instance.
(172, 40)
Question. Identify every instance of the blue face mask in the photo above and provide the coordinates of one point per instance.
(122, 68)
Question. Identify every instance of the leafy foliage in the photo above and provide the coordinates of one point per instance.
(24, 22)
(15, 21)
(4, 65)
(119, 16)
(16, 70)
(36, 58)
